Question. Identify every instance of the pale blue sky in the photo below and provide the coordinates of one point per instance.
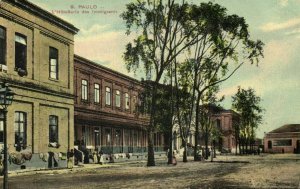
(276, 22)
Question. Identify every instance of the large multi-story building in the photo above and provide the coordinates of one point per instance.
(36, 60)
(106, 111)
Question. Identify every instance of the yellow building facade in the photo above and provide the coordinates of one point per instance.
(36, 60)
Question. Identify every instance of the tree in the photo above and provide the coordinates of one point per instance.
(161, 37)
(223, 45)
(247, 104)
(208, 109)
(168, 31)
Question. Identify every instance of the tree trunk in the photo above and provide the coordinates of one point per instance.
(185, 152)
(196, 155)
(206, 145)
(240, 146)
(151, 160)
(170, 153)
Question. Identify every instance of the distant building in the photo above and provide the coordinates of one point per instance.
(224, 121)
(285, 139)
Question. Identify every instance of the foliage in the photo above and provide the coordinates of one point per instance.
(203, 39)
(247, 104)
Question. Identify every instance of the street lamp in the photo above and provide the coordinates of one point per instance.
(6, 98)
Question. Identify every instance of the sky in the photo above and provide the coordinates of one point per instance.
(276, 22)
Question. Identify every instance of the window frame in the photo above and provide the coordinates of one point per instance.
(107, 96)
(127, 101)
(18, 65)
(118, 137)
(17, 123)
(118, 98)
(84, 90)
(97, 93)
(2, 131)
(56, 57)
(3, 50)
(108, 136)
(56, 125)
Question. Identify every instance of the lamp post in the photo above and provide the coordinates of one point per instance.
(6, 98)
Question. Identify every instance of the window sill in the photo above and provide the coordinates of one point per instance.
(52, 79)
(84, 101)
(53, 145)
(21, 72)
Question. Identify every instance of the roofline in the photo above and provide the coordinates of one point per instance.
(85, 60)
(272, 131)
(38, 11)
(281, 132)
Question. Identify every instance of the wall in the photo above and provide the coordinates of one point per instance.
(36, 94)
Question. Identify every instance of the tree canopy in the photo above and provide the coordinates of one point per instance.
(203, 36)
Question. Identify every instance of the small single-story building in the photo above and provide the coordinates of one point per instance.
(285, 139)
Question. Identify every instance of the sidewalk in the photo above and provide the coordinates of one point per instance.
(84, 167)
(76, 168)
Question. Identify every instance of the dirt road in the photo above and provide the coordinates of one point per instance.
(268, 171)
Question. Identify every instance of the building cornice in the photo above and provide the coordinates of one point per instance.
(35, 88)
(43, 14)
(95, 65)
(128, 119)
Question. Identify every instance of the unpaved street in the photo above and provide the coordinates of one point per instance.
(268, 171)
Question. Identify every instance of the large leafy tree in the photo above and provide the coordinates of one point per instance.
(161, 37)
(247, 104)
(223, 45)
(167, 31)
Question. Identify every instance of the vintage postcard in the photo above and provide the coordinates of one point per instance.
(149, 94)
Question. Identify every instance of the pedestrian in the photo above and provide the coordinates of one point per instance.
(70, 158)
(174, 161)
(100, 159)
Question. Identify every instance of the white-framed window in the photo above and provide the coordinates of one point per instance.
(2, 46)
(1, 131)
(84, 90)
(118, 99)
(107, 96)
(53, 128)
(127, 101)
(20, 129)
(53, 63)
(97, 93)
(20, 52)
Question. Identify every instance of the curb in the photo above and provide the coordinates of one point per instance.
(67, 170)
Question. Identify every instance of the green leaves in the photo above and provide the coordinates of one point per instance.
(247, 104)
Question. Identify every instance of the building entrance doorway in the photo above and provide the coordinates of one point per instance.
(298, 147)
(97, 137)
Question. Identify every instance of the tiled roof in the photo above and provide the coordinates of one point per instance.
(287, 128)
